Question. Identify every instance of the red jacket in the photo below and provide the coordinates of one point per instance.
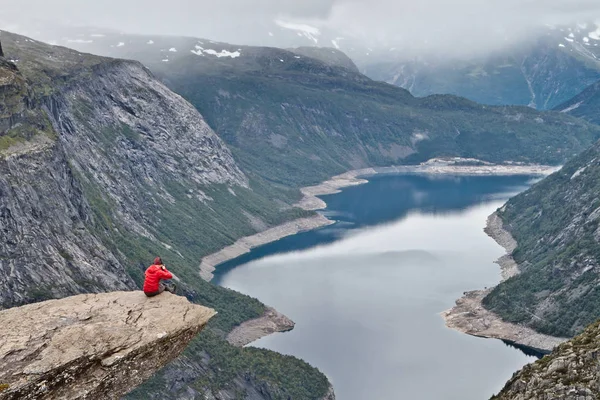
(154, 274)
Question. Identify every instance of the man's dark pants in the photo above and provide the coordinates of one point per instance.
(169, 287)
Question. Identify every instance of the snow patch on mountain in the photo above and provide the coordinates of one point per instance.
(310, 32)
(173, 50)
(572, 107)
(200, 51)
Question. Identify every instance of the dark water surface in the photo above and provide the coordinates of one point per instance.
(366, 293)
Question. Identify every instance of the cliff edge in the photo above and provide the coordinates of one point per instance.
(97, 346)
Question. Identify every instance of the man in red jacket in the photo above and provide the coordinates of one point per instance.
(154, 274)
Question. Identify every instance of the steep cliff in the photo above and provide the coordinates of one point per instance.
(570, 372)
(92, 346)
(108, 167)
(556, 226)
(103, 168)
(47, 249)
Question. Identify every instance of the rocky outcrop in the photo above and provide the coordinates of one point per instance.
(270, 322)
(471, 317)
(569, 373)
(92, 346)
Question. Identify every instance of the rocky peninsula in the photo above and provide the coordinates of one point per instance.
(470, 317)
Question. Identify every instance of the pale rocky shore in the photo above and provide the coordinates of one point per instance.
(311, 202)
(245, 244)
(271, 321)
(470, 317)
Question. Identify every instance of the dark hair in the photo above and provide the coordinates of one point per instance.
(158, 261)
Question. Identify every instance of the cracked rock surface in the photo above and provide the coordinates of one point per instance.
(96, 346)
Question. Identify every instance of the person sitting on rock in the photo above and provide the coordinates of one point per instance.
(154, 274)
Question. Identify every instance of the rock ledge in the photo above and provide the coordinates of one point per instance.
(97, 346)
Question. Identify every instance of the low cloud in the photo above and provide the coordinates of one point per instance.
(424, 25)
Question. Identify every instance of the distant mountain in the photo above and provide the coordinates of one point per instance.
(296, 120)
(329, 56)
(585, 105)
(545, 70)
(542, 74)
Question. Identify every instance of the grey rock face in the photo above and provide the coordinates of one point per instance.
(149, 140)
(569, 373)
(76, 130)
(46, 249)
(92, 346)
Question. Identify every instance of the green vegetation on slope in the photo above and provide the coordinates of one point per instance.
(585, 105)
(300, 121)
(569, 372)
(283, 377)
(556, 225)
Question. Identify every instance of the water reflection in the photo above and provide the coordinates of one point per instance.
(366, 293)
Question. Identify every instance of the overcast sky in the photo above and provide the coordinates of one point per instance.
(440, 23)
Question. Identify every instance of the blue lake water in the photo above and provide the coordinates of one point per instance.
(366, 293)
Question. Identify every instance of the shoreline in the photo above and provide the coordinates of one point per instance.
(254, 329)
(470, 317)
(271, 321)
(311, 202)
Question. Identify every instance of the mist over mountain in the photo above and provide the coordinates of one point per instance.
(461, 28)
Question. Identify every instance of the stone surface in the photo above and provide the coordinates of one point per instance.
(92, 346)
(270, 322)
(570, 372)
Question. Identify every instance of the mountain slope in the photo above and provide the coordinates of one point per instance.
(297, 120)
(569, 373)
(103, 169)
(556, 224)
(329, 56)
(542, 74)
(585, 105)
